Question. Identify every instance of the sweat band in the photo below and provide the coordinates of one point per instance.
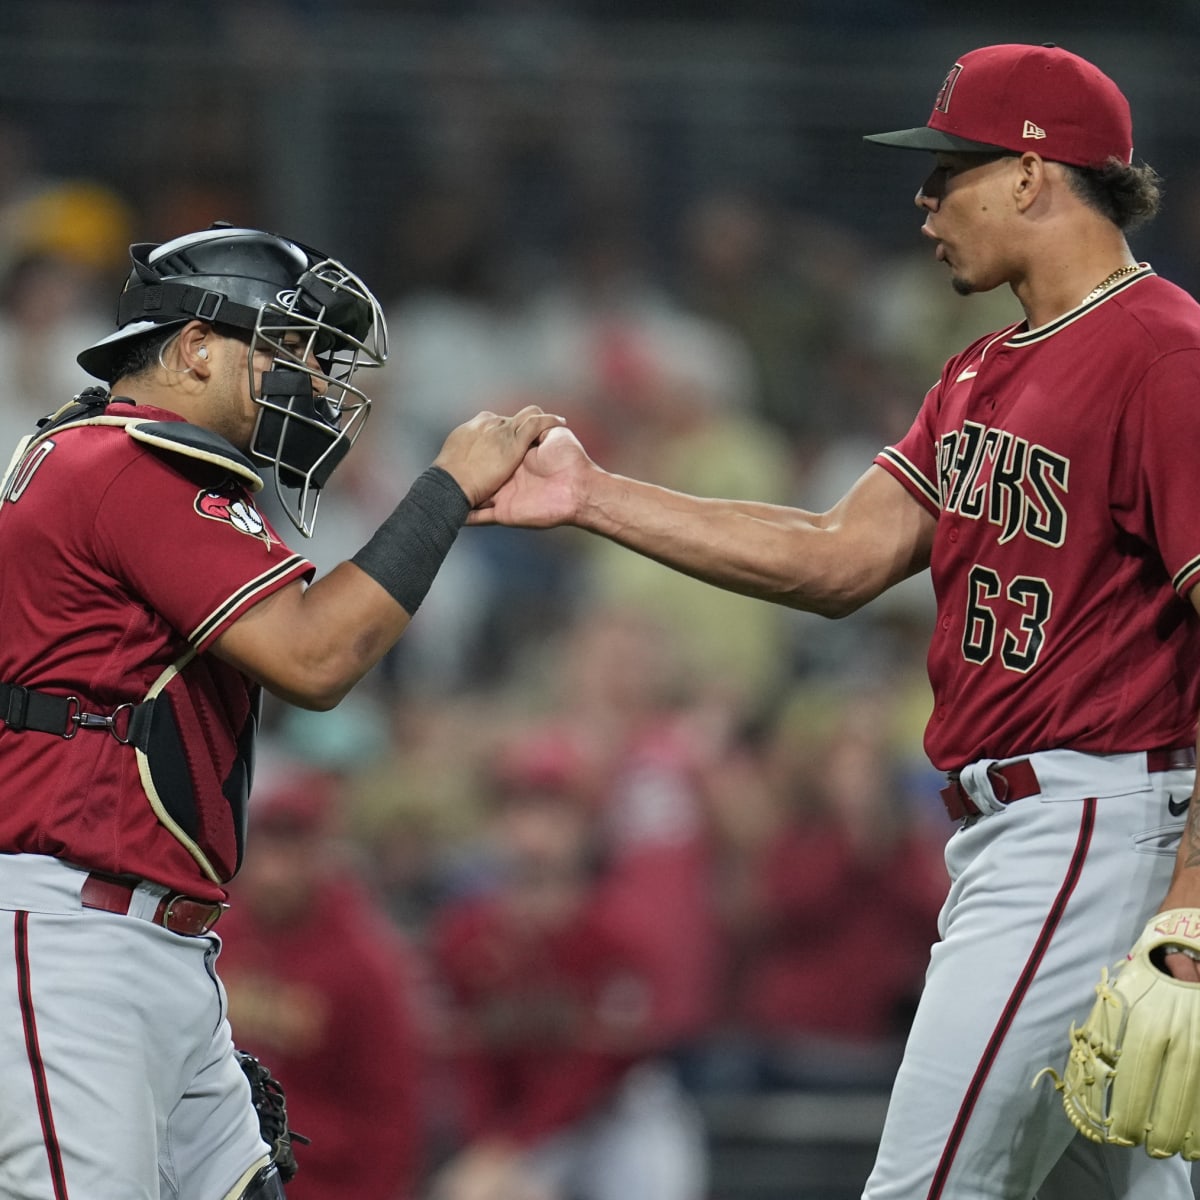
(408, 549)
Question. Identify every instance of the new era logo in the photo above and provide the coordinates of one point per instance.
(1032, 131)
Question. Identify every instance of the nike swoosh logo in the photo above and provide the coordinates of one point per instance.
(1178, 807)
(965, 375)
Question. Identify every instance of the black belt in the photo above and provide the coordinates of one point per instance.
(25, 708)
(1016, 780)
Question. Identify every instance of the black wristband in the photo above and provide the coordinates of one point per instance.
(408, 549)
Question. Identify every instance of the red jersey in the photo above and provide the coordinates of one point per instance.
(329, 1003)
(656, 890)
(122, 560)
(824, 911)
(1058, 462)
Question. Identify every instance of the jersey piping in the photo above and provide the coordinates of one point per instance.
(242, 597)
(1184, 579)
(1030, 336)
(927, 489)
(925, 486)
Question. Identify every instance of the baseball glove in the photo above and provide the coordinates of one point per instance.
(267, 1095)
(1133, 1074)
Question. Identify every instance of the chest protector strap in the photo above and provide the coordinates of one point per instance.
(63, 716)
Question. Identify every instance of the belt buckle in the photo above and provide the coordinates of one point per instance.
(198, 923)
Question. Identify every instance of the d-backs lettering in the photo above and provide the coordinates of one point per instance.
(993, 475)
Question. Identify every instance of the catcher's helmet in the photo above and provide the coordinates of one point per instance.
(271, 289)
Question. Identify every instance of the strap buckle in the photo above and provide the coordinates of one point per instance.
(203, 304)
(77, 720)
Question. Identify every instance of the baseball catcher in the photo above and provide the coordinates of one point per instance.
(1133, 1074)
(133, 543)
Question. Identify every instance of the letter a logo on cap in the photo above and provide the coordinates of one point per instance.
(942, 102)
(1032, 131)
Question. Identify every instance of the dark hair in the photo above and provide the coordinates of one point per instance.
(141, 354)
(1127, 195)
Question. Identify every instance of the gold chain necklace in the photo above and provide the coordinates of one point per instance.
(1105, 284)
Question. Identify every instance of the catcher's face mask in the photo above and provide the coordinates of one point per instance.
(310, 320)
(316, 336)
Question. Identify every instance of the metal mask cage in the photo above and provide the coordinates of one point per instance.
(317, 336)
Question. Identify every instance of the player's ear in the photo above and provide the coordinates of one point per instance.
(1029, 179)
(195, 348)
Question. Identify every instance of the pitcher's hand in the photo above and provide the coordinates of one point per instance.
(547, 488)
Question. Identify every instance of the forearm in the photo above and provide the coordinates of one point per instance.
(310, 646)
(828, 563)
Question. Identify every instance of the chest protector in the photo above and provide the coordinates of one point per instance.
(193, 733)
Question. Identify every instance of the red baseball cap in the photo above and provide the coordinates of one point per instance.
(1016, 98)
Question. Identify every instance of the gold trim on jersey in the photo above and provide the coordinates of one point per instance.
(27, 443)
(249, 590)
(156, 803)
(927, 488)
(1188, 568)
(1069, 318)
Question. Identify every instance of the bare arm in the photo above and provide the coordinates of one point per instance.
(829, 563)
(311, 645)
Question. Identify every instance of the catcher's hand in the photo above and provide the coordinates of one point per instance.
(271, 1106)
(1133, 1074)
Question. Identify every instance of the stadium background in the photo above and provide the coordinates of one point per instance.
(620, 210)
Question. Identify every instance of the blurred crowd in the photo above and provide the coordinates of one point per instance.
(595, 842)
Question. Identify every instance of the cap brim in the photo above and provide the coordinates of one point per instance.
(924, 138)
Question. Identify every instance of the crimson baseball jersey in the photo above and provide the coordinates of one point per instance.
(1060, 464)
(123, 560)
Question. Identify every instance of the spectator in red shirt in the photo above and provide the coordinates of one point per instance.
(324, 990)
(830, 912)
(629, 704)
(553, 1020)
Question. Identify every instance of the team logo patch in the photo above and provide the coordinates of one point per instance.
(228, 503)
(942, 103)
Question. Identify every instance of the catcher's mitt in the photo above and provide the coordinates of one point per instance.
(271, 1106)
(1133, 1074)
